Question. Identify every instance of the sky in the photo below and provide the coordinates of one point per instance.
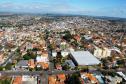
(111, 8)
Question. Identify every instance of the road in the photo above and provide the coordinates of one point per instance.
(44, 78)
(12, 54)
(35, 73)
(51, 64)
(46, 73)
(9, 57)
(43, 74)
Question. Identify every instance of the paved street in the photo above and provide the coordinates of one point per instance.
(51, 64)
(10, 56)
(19, 73)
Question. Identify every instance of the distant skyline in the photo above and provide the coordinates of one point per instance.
(111, 8)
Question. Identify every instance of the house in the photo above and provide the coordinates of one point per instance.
(102, 52)
(22, 64)
(92, 78)
(61, 77)
(64, 53)
(1, 33)
(31, 63)
(29, 79)
(39, 52)
(54, 53)
(44, 65)
(43, 43)
(99, 78)
(122, 75)
(70, 63)
(124, 43)
(29, 45)
(87, 37)
(42, 59)
(17, 80)
(1, 58)
(116, 49)
(77, 38)
(45, 53)
(58, 66)
(52, 79)
(71, 49)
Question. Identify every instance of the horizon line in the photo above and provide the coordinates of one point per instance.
(60, 14)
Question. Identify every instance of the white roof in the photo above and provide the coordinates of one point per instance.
(116, 49)
(64, 53)
(54, 54)
(85, 58)
(121, 74)
(41, 59)
(87, 37)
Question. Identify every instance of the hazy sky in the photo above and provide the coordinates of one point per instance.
(115, 8)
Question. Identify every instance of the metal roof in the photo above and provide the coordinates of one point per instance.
(22, 63)
(85, 58)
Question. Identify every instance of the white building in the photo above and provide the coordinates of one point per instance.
(42, 59)
(84, 58)
(64, 53)
(29, 79)
(102, 53)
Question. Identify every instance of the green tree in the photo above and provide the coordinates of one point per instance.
(26, 57)
(6, 81)
(74, 79)
(35, 49)
(8, 66)
(50, 46)
(67, 36)
(66, 67)
(1, 68)
(29, 55)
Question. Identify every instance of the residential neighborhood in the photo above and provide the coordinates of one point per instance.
(62, 50)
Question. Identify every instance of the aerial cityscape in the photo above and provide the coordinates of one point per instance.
(62, 42)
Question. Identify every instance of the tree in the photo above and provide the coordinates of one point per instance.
(74, 79)
(1, 68)
(31, 69)
(26, 57)
(8, 66)
(67, 36)
(120, 62)
(6, 81)
(50, 46)
(29, 55)
(18, 50)
(74, 43)
(66, 67)
(35, 49)
(32, 55)
(46, 31)
(59, 57)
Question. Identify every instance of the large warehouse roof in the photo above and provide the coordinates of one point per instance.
(84, 58)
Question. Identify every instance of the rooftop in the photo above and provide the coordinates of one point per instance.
(84, 58)
(23, 63)
(17, 80)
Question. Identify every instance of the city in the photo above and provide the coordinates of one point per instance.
(56, 50)
(62, 42)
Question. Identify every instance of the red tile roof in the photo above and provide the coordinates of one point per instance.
(17, 80)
